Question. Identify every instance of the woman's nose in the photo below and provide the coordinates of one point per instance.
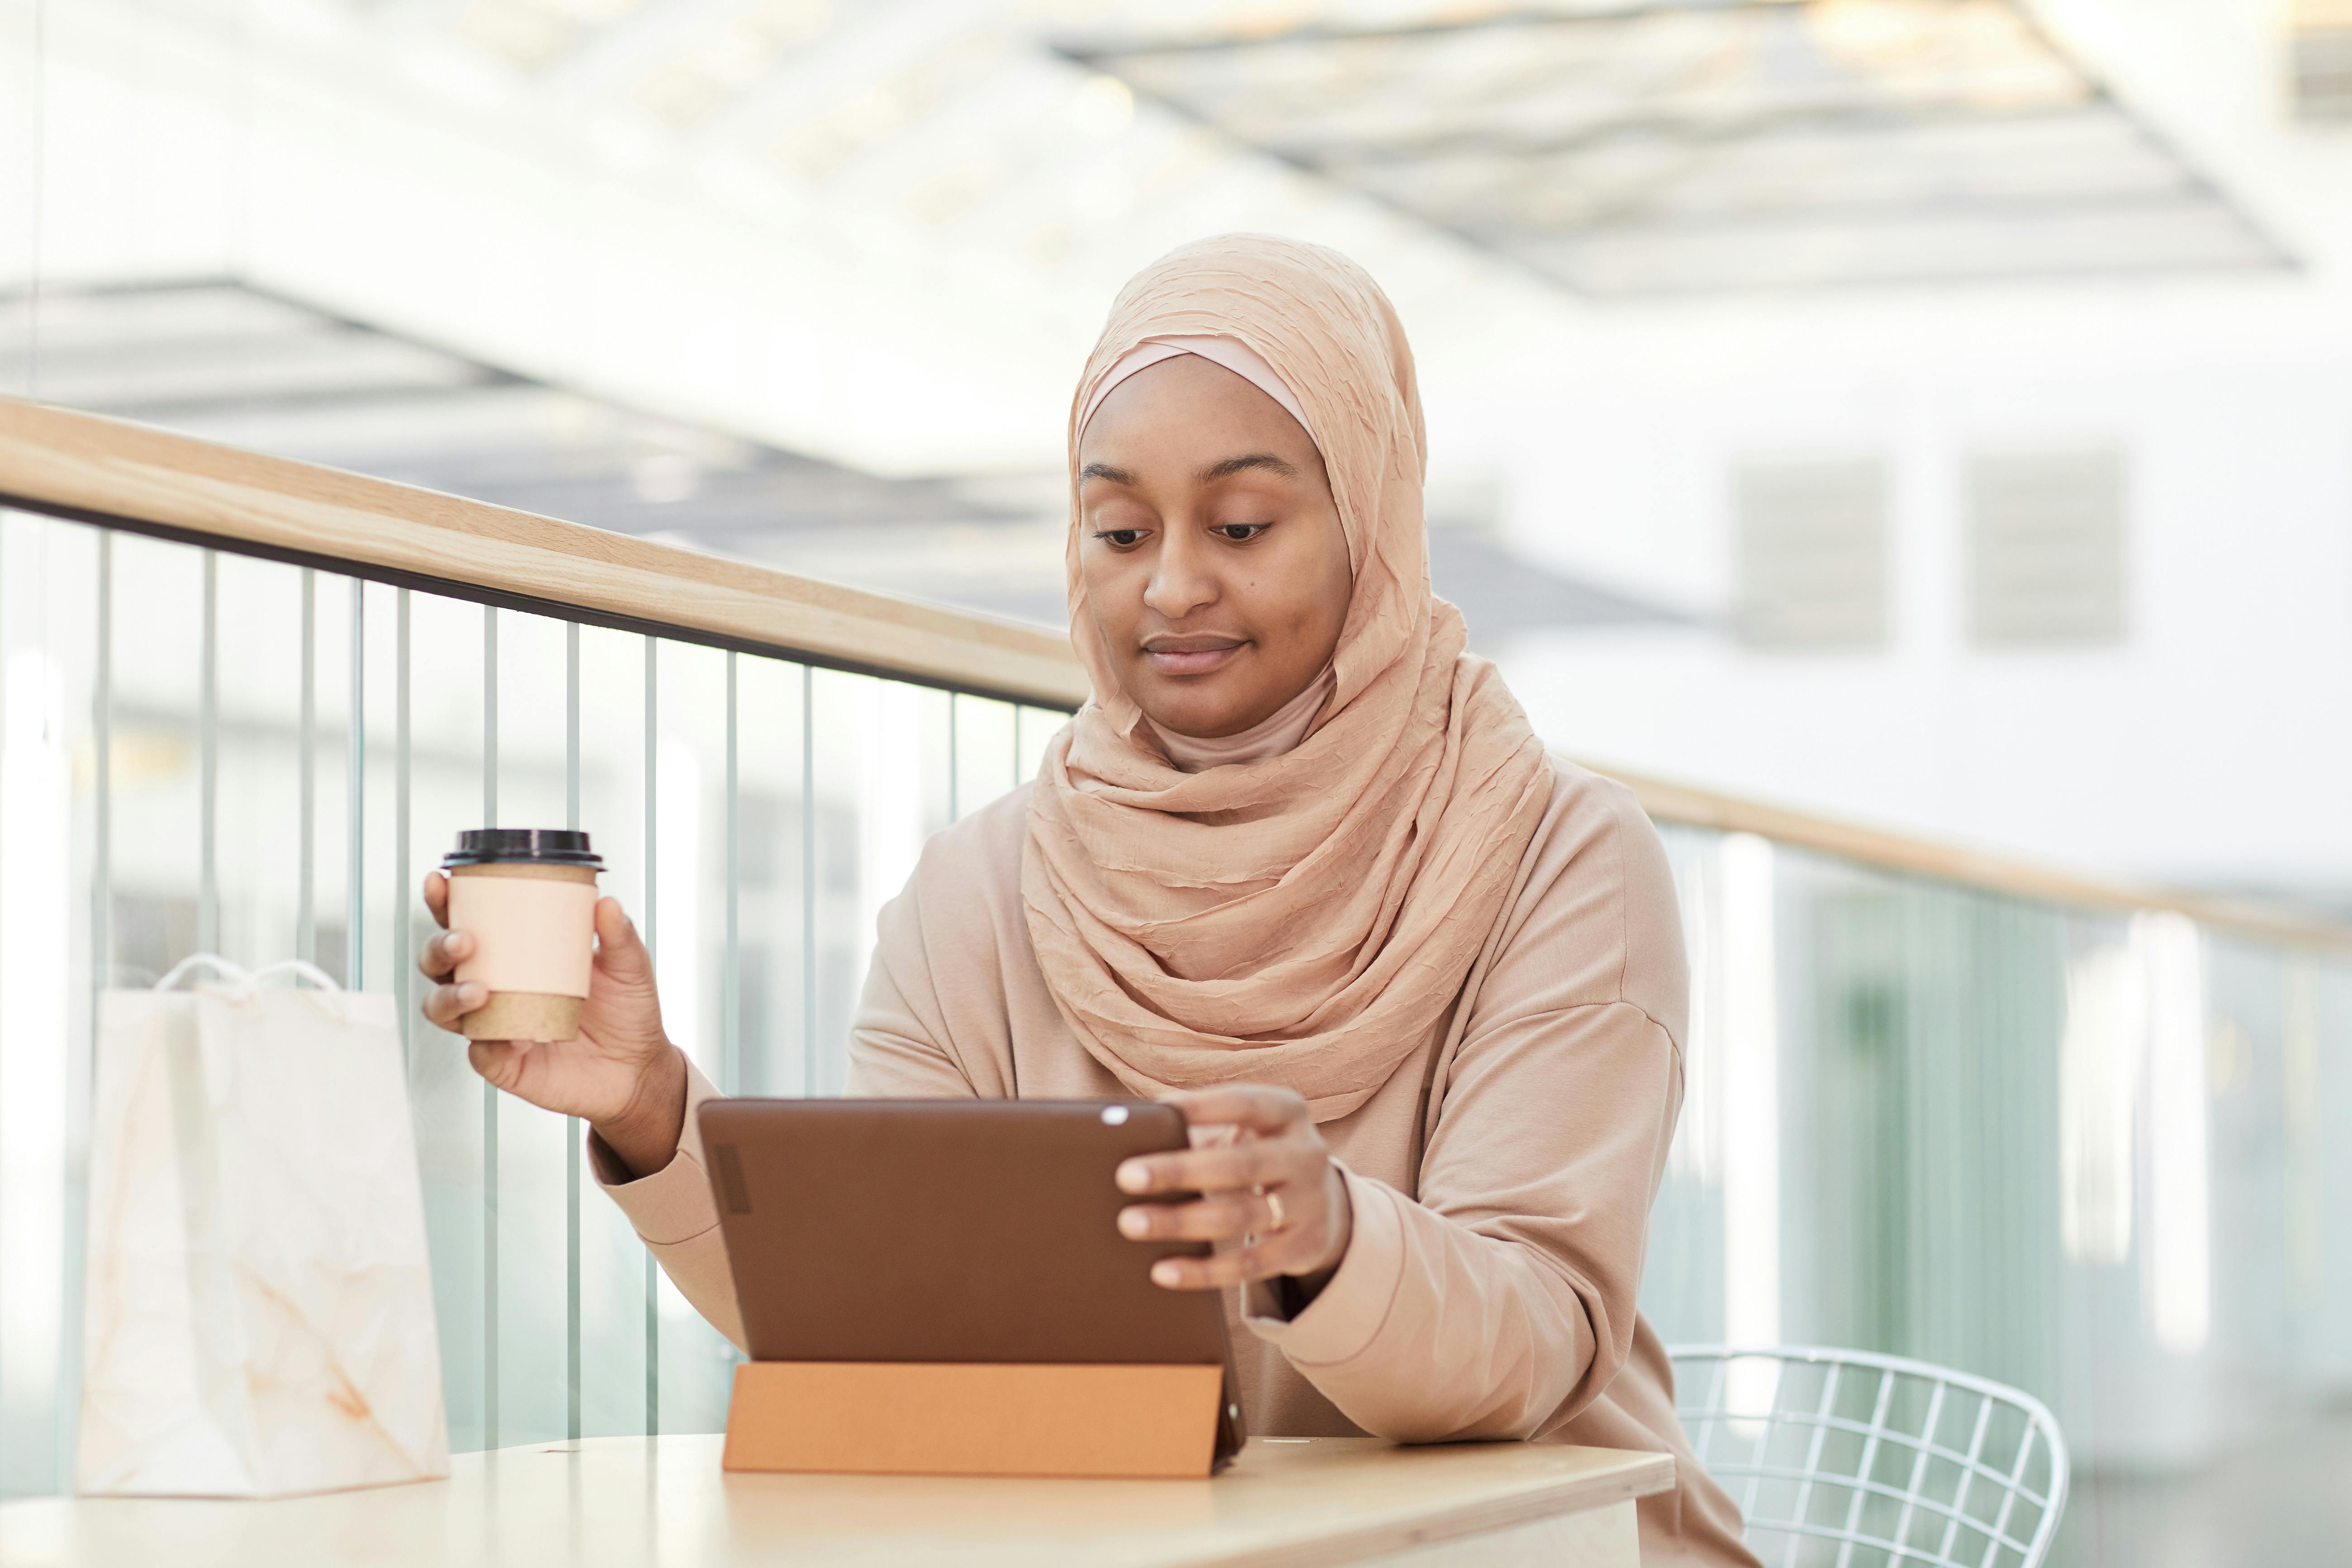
(1179, 583)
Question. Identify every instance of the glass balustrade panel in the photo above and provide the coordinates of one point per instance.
(2083, 1150)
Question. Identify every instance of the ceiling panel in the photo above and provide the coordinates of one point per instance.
(1692, 145)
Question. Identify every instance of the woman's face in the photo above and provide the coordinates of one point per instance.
(1215, 565)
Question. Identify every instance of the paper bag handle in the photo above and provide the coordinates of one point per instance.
(248, 979)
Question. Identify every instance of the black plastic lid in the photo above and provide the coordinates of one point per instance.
(537, 846)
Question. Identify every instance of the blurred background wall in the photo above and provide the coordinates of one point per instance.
(1934, 413)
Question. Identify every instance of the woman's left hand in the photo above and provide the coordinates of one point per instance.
(1270, 1194)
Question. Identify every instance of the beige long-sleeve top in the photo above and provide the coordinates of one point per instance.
(1501, 1180)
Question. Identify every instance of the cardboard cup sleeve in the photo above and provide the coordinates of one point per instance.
(534, 931)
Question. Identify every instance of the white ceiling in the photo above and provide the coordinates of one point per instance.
(884, 231)
(1689, 145)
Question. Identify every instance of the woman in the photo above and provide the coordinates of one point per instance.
(1300, 868)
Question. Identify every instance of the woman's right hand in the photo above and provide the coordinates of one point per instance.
(621, 1075)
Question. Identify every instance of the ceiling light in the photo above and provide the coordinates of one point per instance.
(1103, 107)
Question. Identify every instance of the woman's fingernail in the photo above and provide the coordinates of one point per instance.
(1164, 1273)
(1133, 1222)
(1133, 1177)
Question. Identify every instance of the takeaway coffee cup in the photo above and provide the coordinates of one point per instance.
(528, 897)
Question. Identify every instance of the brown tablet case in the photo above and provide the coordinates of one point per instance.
(939, 1287)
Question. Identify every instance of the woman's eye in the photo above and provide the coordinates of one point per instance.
(1120, 538)
(1240, 532)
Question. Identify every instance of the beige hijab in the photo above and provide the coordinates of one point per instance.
(1308, 919)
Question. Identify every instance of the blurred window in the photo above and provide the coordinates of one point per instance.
(2319, 59)
(1810, 554)
(2045, 549)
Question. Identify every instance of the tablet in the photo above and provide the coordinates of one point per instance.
(943, 1230)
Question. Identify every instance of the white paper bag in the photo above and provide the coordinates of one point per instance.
(260, 1302)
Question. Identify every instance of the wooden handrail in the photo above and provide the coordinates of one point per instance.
(1904, 854)
(131, 476)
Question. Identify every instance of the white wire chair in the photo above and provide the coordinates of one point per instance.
(1845, 1460)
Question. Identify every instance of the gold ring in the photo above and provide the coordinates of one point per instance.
(1274, 1211)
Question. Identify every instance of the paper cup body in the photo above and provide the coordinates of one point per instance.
(534, 931)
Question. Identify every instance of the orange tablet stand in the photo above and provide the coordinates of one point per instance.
(973, 1419)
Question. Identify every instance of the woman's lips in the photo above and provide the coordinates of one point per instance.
(1191, 656)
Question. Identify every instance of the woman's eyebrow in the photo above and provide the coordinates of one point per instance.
(1233, 465)
(1104, 471)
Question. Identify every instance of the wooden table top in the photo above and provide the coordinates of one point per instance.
(613, 1501)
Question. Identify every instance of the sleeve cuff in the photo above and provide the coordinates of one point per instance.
(1341, 1323)
(673, 1203)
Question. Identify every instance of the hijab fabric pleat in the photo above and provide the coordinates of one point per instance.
(1308, 919)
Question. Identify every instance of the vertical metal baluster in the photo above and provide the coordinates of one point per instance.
(808, 881)
(572, 1123)
(653, 951)
(732, 1002)
(306, 907)
(208, 765)
(490, 1095)
(81, 1098)
(57, 1456)
(489, 715)
(355, 892)
(402, 959)
(102, 726)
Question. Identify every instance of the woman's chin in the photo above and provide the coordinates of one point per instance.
(1201, 706)
(1186, 713)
